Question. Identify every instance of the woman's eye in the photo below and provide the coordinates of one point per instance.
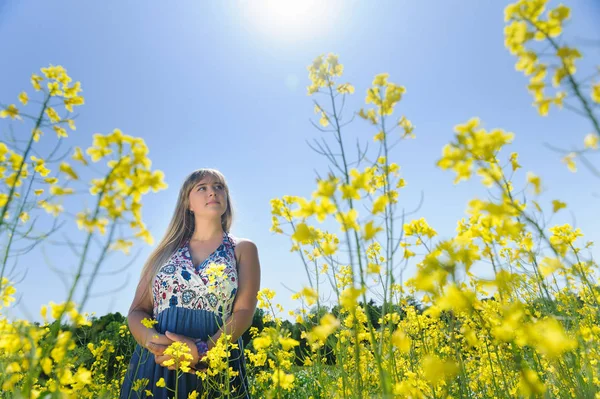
(218, 186)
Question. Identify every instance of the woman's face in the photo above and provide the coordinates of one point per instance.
(208, 197)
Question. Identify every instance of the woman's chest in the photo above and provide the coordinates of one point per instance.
(216, 277)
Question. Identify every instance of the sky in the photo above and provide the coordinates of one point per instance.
(222, 84)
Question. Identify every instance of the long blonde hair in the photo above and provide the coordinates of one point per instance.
(182, 224)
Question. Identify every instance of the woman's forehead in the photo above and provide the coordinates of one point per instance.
(208, 179)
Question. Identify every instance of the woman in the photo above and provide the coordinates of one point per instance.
(177, 290)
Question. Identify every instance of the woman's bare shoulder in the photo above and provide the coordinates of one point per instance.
(243, 245)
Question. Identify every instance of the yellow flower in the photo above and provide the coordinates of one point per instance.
(288, 343)
(407, 126)
(11, 111)
(53, 209)
(535, 181)
(558, 205)
(310, 295)
(455, 298)
(381, 79)
(214, 272)
(87, 223)
(46, 365)
(563, 237)
(7, 292)
(349, 191)
(324, 121)
(261, 342)
(71, 101)
(306, 208)
(264, 297)
(326, 188)
(591, 141)
(37, 133)
(52, 114)
(304, 233)
(419, 228)
(23, 98)
(468, 127)
(282, 379)
(54, 89)
(24, 216)
(66, 168)
(35, 82)
(373, 96)
(371, 116)
(348, 220)
(349, 297)
(161, 383)
(57, 190)
(53, 71)
(73, 90)
(345, 88)
(436, 370)
(39, 166)
(60, 131)
(82, 377)
(373, 268)
(71, 124)
(322, 71)
(78, 156)
(550, 339)
(596, 92)
(530, 384)
(180, 356)
(513, 161)
(326, 327)
(379, 204)
(326, 207)
(401, 341)
(148, 323)
(44, 312)
(370, 230)
(122, 245)
(549, 266)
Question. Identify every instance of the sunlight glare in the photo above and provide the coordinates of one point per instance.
(293, 19)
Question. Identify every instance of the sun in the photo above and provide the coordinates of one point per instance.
(290, 19)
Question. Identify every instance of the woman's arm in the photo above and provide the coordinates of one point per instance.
(141, 308)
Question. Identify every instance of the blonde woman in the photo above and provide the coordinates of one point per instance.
(192, 303)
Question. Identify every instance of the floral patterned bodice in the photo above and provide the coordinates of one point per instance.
(179, 283)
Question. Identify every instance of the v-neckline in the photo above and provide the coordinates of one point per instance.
(198, 267)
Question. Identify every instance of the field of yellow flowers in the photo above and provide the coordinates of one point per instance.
(533, 330)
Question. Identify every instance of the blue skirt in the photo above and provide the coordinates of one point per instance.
(193, 323)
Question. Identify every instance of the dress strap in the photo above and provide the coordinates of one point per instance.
(231, 240)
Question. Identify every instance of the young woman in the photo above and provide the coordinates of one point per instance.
(179, 290)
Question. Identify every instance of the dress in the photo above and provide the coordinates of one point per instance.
(186, 302)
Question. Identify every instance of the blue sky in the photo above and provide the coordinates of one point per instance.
(222, 85)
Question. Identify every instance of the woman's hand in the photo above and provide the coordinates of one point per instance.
(161, 358)
(157, 343)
